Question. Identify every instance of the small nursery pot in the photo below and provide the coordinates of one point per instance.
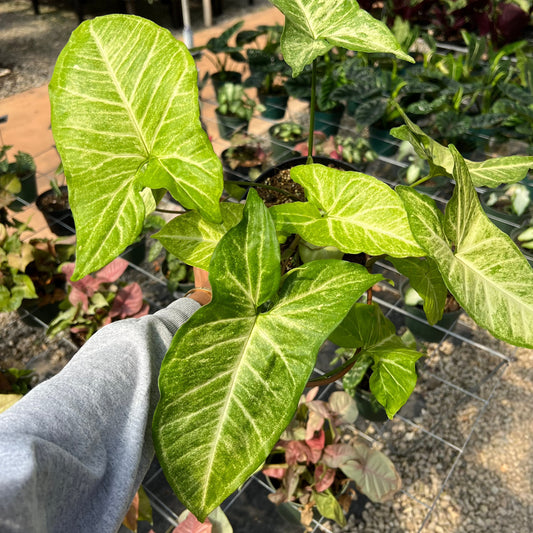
(227, 76)
(272, 172)
(275, 105)
(28, 191)
(56, 211)
(241, 171)
(229, 125)
(328, 122)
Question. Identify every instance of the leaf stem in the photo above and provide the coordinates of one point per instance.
(310, 139)
(170, 211)
(336, 374)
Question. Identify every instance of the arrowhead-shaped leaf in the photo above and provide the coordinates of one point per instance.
(125, 116)
(312, 27)
(489, 173)
(232, 378)
(373, 473)
(480, 265)
(192, 239)
(349, 210)
(393, 372)
(426, 280)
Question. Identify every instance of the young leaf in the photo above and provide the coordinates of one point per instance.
(484, 269)
(373, 473)
(192, 239)
(329, 507)
(489, 173)
(233, 375)
(125, 117)
(393, 372)
(312, 27)
(349, 210)
(426, 280)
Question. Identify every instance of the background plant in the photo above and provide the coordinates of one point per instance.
(94, 301)
(315, 466)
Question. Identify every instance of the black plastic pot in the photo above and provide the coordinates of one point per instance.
(290, 163)
(227, 76)
(328, 122)
(275, 105)
(240, 171)
(135, 253)
(382, 142)
(229, 125)
(28, 191)
(57, 211)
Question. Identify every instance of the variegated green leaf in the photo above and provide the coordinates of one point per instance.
(480, 265)
(394, 375)
(426, 280)
(489, 173)
(232, 378)
(125, 116)
(349, 210)
(192, 239)
(393, 372)
(312, 27)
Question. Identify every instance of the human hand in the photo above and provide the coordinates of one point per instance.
(202, 288)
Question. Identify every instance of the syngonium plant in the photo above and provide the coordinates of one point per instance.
(125, 117)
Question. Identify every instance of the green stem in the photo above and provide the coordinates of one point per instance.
(310, 140)
(262, 186)
(336, 374)
(170, 211)
(421, 180)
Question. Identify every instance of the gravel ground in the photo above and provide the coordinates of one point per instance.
(490, 489)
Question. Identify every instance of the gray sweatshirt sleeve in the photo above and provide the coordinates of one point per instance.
(74, 450)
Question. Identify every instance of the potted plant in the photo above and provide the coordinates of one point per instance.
(15, 256)
(55, 207)
(314, 470)
(268, 71)
(234, 111)
(243, 360)
(509, 203)
(220, 53)
(94, 301)
(23, 169)
(283, 139)
(47, 278)
(244, 159)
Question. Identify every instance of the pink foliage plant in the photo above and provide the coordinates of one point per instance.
(312, 462)
(98, 299)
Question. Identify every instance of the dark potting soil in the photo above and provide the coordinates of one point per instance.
(52, 203)
(282, 180)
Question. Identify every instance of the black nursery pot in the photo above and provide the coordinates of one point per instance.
(287, 165)
(56, 211)
(227, 76)
(290, 163)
